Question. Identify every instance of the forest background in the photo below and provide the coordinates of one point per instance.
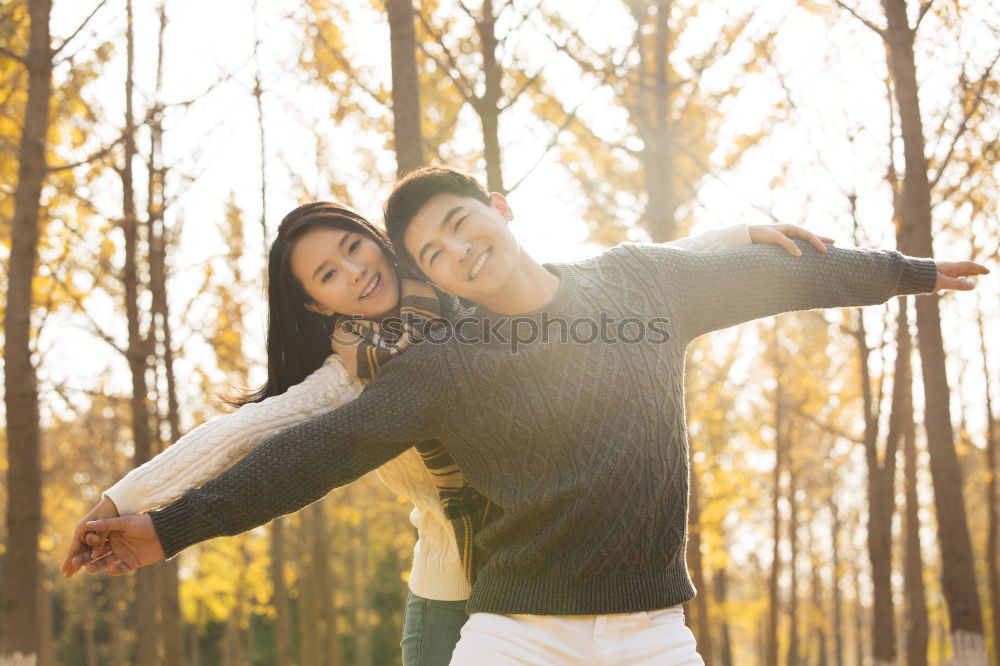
(844, 504)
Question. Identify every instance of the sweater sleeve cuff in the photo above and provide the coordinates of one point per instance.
(176, 526)
(127, 500)
(919, 276)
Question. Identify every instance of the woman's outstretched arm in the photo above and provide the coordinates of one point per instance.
(216, 445)
(739, 235)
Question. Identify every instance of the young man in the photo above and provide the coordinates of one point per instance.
(561, 398)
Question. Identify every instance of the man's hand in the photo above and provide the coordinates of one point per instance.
(951, 275)
(78, 547)
(133, 544)
(782, 234)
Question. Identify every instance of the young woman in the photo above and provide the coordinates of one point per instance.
(332, 279)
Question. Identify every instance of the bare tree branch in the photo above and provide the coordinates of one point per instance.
(465, 87)
(509, 4)
(4, 51)
(924, 8)
(570, 117)
(534, 77)
(13, 88)
(965, 121)
(466, 93)
(970, 169)
(798, 411)
(522, 19)
(878, 31)
(468, 11)
(79, 28)
(227, 76)
(345, 63)
(90, 158)
(95, 329)
(520, 91)
(722, 46)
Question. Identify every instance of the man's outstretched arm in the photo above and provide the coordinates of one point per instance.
(707, 291)
(291, 470)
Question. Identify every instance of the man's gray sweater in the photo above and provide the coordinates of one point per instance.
(580, 443)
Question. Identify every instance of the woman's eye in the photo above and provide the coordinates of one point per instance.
(328, 275)
(354, 246)
(434, 257)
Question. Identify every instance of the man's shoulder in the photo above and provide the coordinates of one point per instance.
(628, 256)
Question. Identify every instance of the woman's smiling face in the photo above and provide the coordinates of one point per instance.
(344, 272)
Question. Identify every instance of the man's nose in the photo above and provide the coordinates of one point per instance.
(457, 247)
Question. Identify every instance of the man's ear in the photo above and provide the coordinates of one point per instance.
(499, 202)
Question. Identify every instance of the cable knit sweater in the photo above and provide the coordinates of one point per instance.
(581, 444)
(212, 447)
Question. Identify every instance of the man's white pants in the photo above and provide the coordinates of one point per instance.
(626, 639)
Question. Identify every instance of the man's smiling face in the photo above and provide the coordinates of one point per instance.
(464, 245)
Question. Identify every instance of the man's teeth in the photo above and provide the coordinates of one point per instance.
(371, 286)
(478, 266)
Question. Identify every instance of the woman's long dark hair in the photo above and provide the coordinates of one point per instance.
(298, 339)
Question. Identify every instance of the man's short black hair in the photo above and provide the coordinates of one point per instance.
(414, 190)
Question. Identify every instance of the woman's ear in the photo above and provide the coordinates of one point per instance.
(319, 309)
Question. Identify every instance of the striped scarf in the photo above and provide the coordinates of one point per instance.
(373, 344)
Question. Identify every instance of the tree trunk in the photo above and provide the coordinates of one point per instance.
(171, 628)
(309, 652)
(171, 631)
(774, 601)
(489, 103)
(194, 640)
(701, 621)
(405, 87)
(235, 648)
(258, 94)
(19, 641)
(913, 566)
(116, 611)
(46, 641)
(859, 619)
(279, 594)
(725, 640)
(363, 595)
(90, 626)
(838, 613)
(318, 578)
(335, 653)
(992, 498)
(145, 595)
(881, 485)
(819, 617)
(958, 578)
(661, 204)
(793, 592)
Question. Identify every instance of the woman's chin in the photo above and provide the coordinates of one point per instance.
(385, 305)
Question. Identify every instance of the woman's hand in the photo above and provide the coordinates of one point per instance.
(782, 234)
(78, 547)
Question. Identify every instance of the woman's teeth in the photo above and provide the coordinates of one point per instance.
(478, 266)
(376, 281)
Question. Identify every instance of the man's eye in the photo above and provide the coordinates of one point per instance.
(459, 223)
(354, 246)
(327, 275)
